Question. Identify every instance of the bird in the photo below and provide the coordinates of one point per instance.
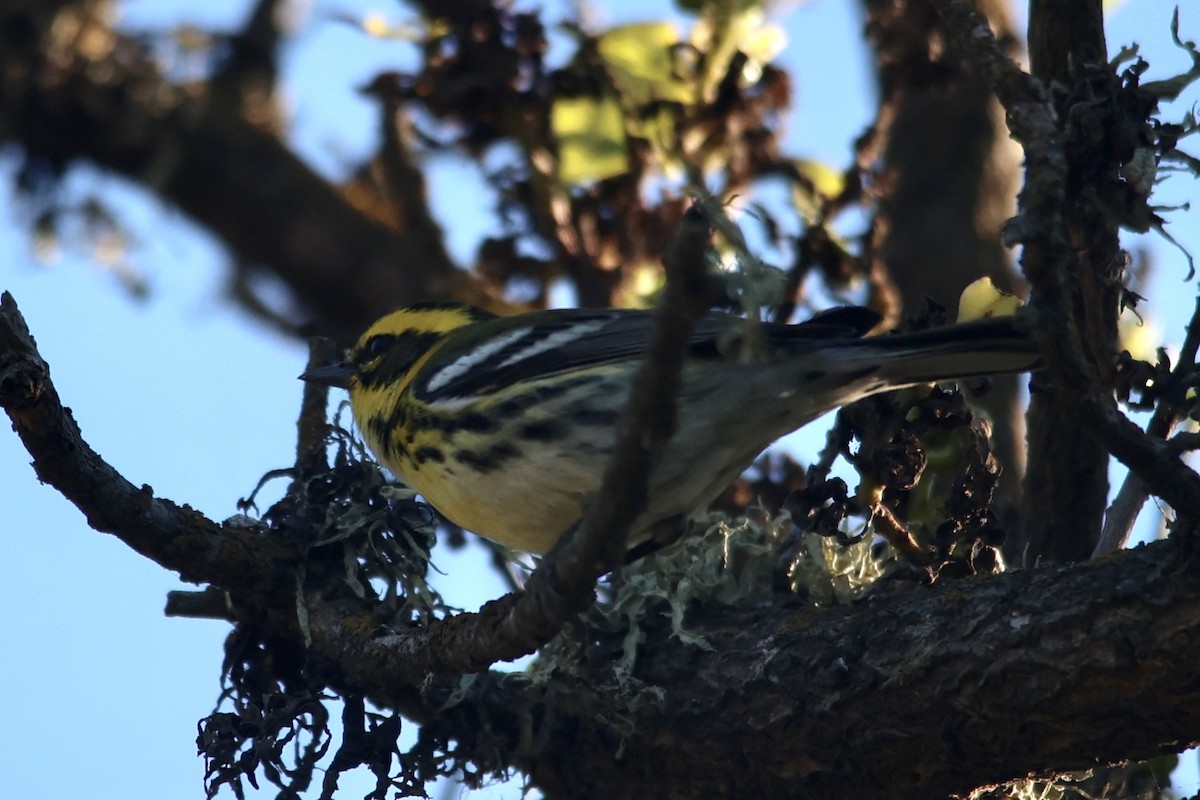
(505, 424)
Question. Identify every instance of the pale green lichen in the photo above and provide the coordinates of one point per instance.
(731, 560)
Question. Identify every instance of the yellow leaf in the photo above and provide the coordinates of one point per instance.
(640, 285)
(825, 179)
(658, 129)
(982, 299)
(591, 139)
(1140, 336)
(764, 41)
(376, 25)
(823, 182)
(641, 61)
(727, 28)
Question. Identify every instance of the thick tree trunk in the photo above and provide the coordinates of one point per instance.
(1067, 482)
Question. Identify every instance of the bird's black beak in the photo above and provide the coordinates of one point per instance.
(330, 375)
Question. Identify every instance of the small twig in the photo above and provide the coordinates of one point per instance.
(1123, 512)
(502, 565)
(563, 583)
(898, 536)
(1185, 442)
(837, 440)
(209, 603)
(247, 78)
(885, 294)
(312, 427)
(404, 181)
(1120, 515)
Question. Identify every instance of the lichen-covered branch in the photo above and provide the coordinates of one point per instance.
(1031, 670)
(915, 694)
(184, 540)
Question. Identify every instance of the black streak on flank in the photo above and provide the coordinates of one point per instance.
(546, 430)
(488, 460)
(475, 423)
(424, 454)
(382, 429)
(472, 423)
(594, 417)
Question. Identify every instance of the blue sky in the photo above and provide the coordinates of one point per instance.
(187, 394)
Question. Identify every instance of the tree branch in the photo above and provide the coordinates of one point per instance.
(61, 103)
(1067, 500)
(563, 583)
(1118, 521)
(914, 695)
(236, 560)
(1040, 227)
(312, 427)
(832, 703)
(247, 78)
(176, 537)
(208, 603)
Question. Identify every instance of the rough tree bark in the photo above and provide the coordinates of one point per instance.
(909, 693)
(1067, 496)
(915, 691)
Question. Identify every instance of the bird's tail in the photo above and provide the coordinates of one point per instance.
(990, 346)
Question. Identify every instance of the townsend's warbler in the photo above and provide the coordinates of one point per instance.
(505, 424)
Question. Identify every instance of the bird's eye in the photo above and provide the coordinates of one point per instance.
(376, 346)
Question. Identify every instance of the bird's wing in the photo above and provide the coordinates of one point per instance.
(504, 351)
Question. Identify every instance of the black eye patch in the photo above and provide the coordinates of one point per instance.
(375, 347)
(386, 357)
